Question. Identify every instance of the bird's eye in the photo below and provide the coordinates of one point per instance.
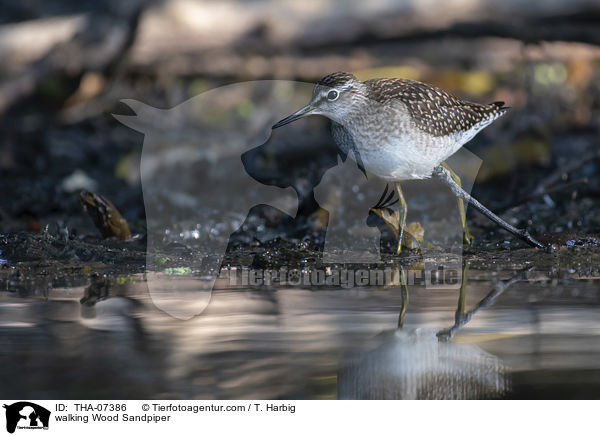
(332, 95)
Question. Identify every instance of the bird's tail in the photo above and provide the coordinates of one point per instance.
(500, 105)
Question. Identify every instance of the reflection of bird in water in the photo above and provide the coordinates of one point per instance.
(414, 364)
(401, 130)
(425, 364)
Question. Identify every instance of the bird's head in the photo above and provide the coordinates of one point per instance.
(337, 96)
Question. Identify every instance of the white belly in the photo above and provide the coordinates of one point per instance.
(402, 157)
(400, 151)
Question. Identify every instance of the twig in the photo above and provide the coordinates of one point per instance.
(557, 175)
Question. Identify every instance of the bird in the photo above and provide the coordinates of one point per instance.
(401, 129)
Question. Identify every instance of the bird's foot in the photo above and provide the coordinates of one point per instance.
(411, 236)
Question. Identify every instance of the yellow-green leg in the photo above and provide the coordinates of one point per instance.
(460, 317)
(460, 309)
(402, 212)
(396, 219)
(404, 291)
(467, 237)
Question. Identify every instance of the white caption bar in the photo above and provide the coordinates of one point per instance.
(298, 417)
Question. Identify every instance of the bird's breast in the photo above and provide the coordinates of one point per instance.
(395, 150)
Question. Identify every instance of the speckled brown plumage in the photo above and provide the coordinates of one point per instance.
(432, 109)
(336, 79)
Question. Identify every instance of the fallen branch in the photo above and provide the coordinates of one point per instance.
(101, 47)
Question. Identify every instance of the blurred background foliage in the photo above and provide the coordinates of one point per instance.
(67, 64)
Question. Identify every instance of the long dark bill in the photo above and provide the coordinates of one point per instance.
(305, 111)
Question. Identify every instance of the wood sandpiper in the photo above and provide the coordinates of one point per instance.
(402, 129)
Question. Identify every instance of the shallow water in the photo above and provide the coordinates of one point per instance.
(539, 338)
